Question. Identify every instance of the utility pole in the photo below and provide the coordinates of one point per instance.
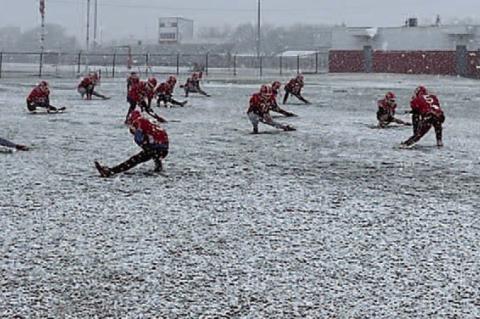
(88, 25)
(259, 40)
(95, 25)
(88, 35)
(42, 34)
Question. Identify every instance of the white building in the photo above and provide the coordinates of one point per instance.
(174, 30)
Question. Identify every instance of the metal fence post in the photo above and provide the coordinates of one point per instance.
(146, 64)
(206, 64)
(234, 65)
(114, 60)
(178, 63)
(281, 65)
(261, 65)
(79, 61)
(316, 62)
(1, 61)
(298, 64)
(41, 65)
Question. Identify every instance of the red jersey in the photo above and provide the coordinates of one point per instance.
(136, 92)
(86, 82)
(149, 91)
(154, 133)
(192, 83)
(295, 86)
(386, 107)
(260, 105)
(38, 95)
(164, 89)
(426, 105)
(131, 80)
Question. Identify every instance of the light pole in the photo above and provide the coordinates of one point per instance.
(88, 25)
(42, 34)
(88, 35)
(259, 35)
(95, 24)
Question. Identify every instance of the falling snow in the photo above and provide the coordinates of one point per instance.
(330, 221)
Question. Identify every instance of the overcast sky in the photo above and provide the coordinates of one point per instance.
(138, 18)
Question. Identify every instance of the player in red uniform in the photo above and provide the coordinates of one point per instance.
(86, 87)
(421, 90)
(150, 137)
(193, 85)
(134, 95)
(275, 107)
(294, 87)
(150, 87)
(40, 97)
(386, 111)
(427, 108)
(164, 93)
(258, 110)
(141, 94)
(132, 78)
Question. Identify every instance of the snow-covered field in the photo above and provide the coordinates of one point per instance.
(330, 221)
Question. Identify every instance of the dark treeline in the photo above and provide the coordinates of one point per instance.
(56, 39)
(274, 39)
(238, 39)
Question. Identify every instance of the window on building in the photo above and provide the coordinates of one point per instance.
(174, 24)
(168, 36)
(162, 24)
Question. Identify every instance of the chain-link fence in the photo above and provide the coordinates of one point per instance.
(71, 65)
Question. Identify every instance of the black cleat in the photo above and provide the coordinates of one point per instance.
(103, 170)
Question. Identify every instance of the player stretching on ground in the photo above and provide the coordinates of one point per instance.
(386, 111)
(258, 111)
(294, 87)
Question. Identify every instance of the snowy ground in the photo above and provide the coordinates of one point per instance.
(331, 221)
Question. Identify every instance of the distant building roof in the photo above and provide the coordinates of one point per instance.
(291, 53)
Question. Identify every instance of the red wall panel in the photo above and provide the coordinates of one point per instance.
(346, 61)
(473, 60)
(413, 62)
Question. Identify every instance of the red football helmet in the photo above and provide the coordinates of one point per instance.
(172, 80)
(276, 85)
(43, 85)
(265, 91)
(195, 76)
(390, 97)
(300, 77)
(135, 115)
(421, 90)
(152, 82)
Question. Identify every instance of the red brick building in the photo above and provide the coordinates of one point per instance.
(439, 49)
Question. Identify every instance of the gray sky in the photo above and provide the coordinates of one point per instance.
(138, 18)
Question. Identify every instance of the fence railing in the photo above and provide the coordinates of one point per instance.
(58, 64)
